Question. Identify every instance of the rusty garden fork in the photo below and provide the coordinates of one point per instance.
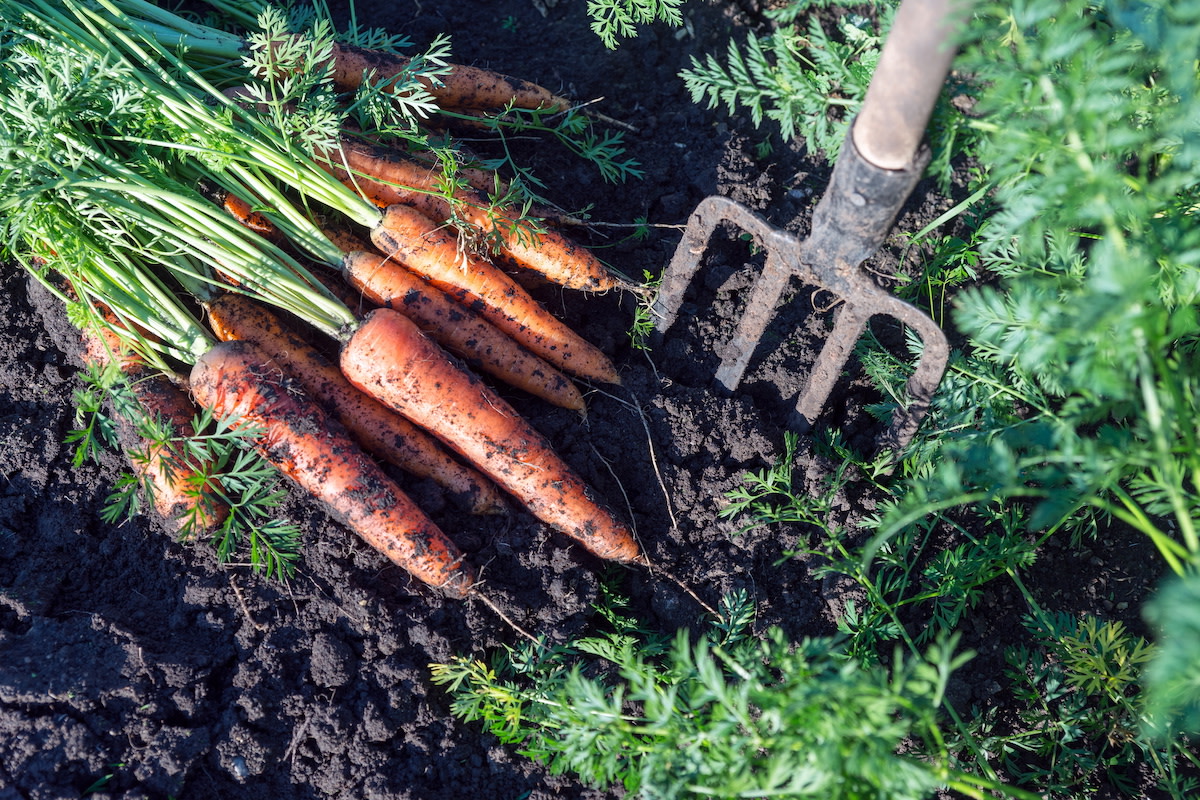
(881, 161)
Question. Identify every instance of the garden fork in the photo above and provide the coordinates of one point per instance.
(880, 162)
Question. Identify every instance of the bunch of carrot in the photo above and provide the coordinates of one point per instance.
(243, 199)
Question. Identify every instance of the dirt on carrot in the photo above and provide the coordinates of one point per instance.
(389, 358)
(239, 382)
(416, 241)
(458, 328)
(463, 87)
(381, 431)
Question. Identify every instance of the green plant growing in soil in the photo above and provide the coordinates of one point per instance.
(1072, 408)
(1076, 688)
(807, 84)
(1172, 685)
(643, 319)
(1083, 716)
(731, 713)
(615, 19)
(1088, 323)
(1077, 682)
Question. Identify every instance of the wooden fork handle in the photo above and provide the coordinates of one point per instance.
(912, 69)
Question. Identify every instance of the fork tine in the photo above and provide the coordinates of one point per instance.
(849, 324)
(923, 383)
(709, 213)
(764, 298)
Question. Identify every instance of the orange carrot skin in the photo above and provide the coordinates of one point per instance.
(479, 179)
(244, 213)
(414, 239)
(459, 329)
(345, 240)
(185, 500)
(380, 430)
(546, 252)
(389, 358)
(464, 87)
(237, 381)
(379, 174)
(386, 179)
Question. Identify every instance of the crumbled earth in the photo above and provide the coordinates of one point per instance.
(133, 666)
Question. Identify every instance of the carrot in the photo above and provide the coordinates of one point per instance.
(463, 87)
(188, 501)
(385, 178)
(244, 213)
(389, 358)
(418, 243)
(459, 329)
(238, 382)
(345, 240)
(486, 181)
(380, 430)
(478, 178)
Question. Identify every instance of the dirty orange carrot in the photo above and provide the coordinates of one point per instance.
(417, 242)
(391, 179)
(479, 179)
(459, 329)
(385, 178)
(544, 250)
(389, 358)
(244, 213)
(345, 240)
(188, 501)
(238, 382)
(487, 182)
(464, 87)
(380, 430)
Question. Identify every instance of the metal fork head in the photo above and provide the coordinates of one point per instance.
(787, 256)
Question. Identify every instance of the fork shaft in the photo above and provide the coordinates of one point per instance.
(854, 217)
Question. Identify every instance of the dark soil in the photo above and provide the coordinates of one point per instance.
(136, 666)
